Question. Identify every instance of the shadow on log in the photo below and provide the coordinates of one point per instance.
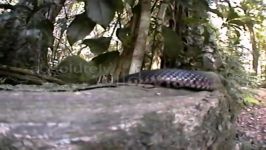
(125, 117)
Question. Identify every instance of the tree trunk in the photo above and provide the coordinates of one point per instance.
(140, 44)
(156, 59)
(124, 61)
(255, 52)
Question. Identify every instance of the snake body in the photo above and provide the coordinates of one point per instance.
(176, 78)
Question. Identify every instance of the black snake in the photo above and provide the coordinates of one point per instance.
(177, 78)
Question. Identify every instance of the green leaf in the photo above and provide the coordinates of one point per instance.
(106, 57)
(74, 69)
(232, 14)
(173, 44)
(102, 11)
(217, 12)
(79, 28)
(118, 4)
(106, 62)
(124, 35)
(98, 45)
(236, 22)
(236, 39)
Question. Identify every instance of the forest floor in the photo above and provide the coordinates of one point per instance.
(251, 124)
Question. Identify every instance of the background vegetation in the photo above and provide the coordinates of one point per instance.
(93, 40)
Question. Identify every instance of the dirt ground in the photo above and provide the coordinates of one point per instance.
(251, 124)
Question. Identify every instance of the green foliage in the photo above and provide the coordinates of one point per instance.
(236, 20)
(233, 67)
(98, 45)
(173, 44)
(124, 36)
(79, 28)
(191, 22)
(249, 99)
(105, 57)
(106, 62)
(74, 69)
(102, 11)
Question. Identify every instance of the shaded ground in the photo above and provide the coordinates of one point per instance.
(251, 124)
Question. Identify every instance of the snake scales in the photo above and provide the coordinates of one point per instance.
(177, 78)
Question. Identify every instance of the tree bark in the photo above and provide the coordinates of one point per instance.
(255, 52)
(140, 44)
(156, 59)
(124, 61)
